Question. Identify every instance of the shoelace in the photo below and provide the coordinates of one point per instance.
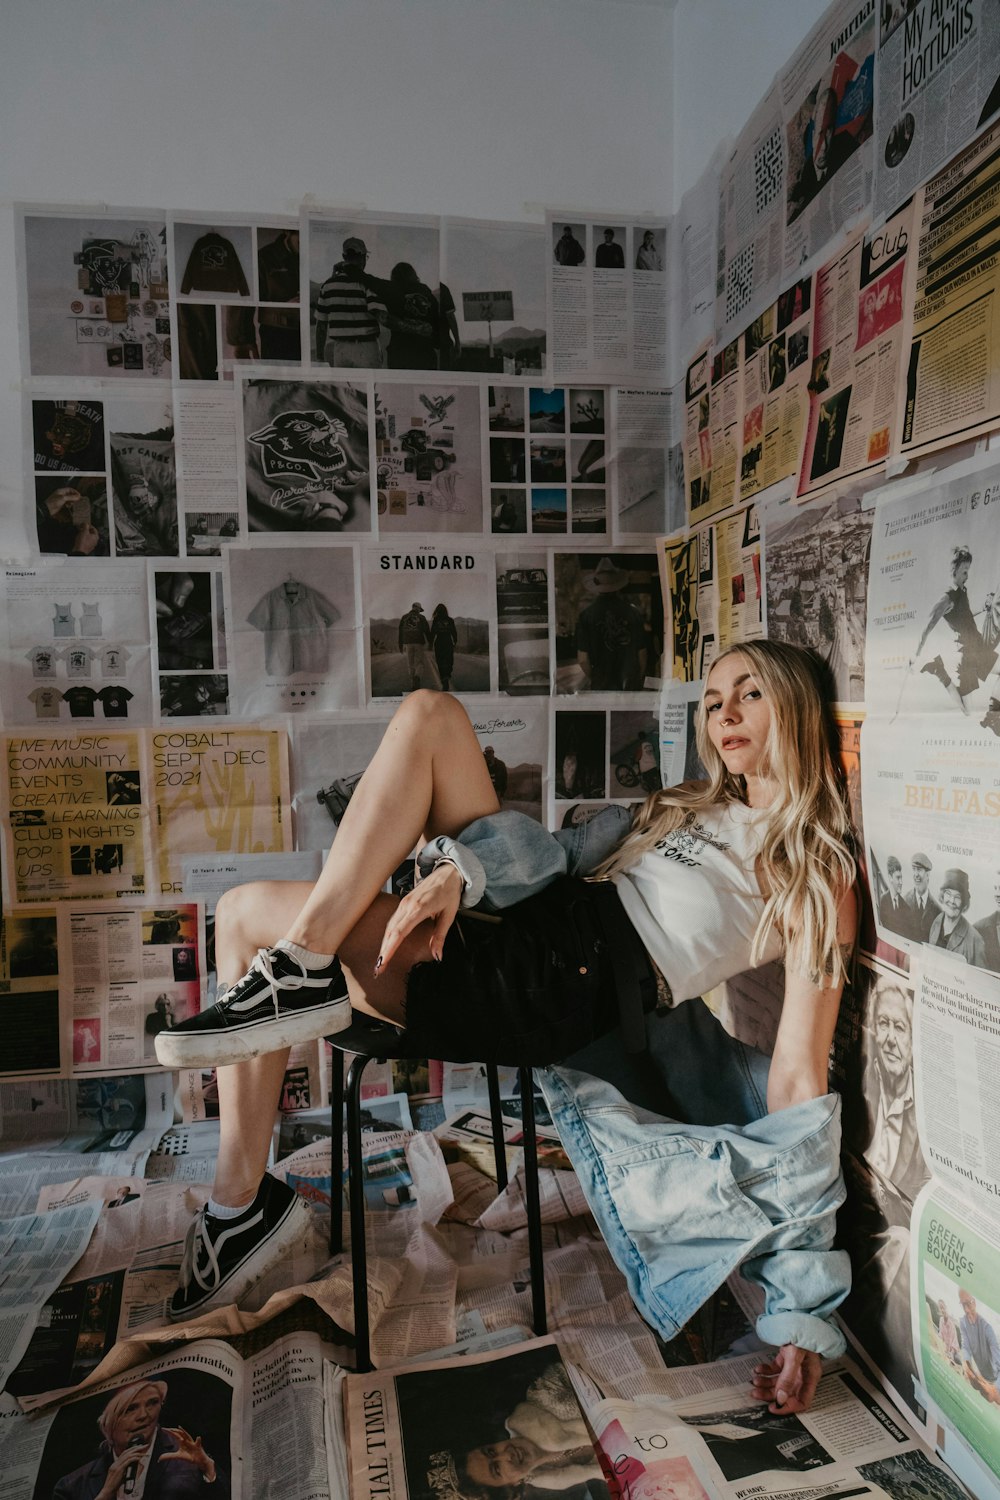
(198, 1239)
(262, 965)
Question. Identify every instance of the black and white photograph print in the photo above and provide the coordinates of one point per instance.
(515, 749)
(68, 436)
(508, 510)
(816, 567)
(610, 247)
(105, 1441)
(590, 512)
(143, 478)
(263, 335)
(306, 456)
(650, 249)
(184, 620)
(506, 408)
(580, 768)
(429, 617)
(213, 262)
(293, 636)
(71, 515)
(522, 583)
(911, 1476)
(97, 296)
(750, 1440)
(207, 532)
(634, 754)
(609, 621)
(569, 244)
(375, 296)
(193, 695)
(494, 280)
(587, 409)
(429, 458)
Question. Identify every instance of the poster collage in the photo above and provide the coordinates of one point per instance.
(281, 472)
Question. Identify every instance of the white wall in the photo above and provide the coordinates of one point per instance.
(440, 106)
(725, 54)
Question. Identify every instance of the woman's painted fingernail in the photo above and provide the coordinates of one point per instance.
(378, 965)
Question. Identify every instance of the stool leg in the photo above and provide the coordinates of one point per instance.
(499, 1148)
(337, 1155)
(531, 1201)
(356, 1197)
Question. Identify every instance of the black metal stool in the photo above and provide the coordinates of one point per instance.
(368, 1038)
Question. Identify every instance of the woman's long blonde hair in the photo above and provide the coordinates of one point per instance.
(806, 861)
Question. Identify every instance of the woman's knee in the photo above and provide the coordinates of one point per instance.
(429, 712)
(238, 911)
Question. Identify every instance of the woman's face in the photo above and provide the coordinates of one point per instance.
(738, 715)
(502, 1463)
(960, 573)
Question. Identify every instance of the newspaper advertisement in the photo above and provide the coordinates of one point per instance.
(608, 622)
(719, 1444)
(857, 355)
(216, 791)
(607, 297)
(828, 102)
(29, 984)
(929, 755)
(428, 450)
(712, 437)
(816, 581)
(404, 1440)
(304, 458)
(775, 374)
(134, 973)
(937, 84)
(430, 621)
(492, 297)
(641, 443)
(737, 564)
(74, 821)
(77, 643)
(293, 634)
(95, 293)
(189, 634)
(238, 293)
(522, 590)
(375, 298)
(952, 386)
(690, 588)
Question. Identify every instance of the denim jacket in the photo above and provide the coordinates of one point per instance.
(681, 1205)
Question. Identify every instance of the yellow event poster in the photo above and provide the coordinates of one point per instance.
(75, 816)
(217, 791)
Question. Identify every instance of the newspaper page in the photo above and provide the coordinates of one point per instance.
(189, 634)
(492, 297)
(134, 972)
(642, 437)
(737, 563)
(185, 1407)
(428, 448)
(522, 594)
(694, 260)
(775, 374)
(929, 741)
(857, 355)
(237, 296)
(816, 580)
(293, 631)
(410, 1431)
(549, 452)
(36, 1250)
(430, 620)
(216, 791)
(713, 435)
(374, 297)
(751, 220)
(607, 297)
(329, 757)
(690, 588)
(77, 638)
(29, 984)
(113, 1121)
(95, 291)
(828, 104)
(303, 458)
(74, 821)
(679, 759)
(936, 86)
(207, 468)
(952, 387)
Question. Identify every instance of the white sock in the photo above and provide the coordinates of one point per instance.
(306, 959)
(224, 1211)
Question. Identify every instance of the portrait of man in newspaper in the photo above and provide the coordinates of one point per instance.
(132, 1441)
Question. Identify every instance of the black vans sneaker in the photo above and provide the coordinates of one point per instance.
(277, 1003)
(225, 1258)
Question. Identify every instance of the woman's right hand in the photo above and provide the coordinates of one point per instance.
(116, 1473)
(436, 898)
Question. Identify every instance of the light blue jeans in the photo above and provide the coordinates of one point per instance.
(686, 1173)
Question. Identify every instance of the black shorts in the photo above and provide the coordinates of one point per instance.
(534, 985)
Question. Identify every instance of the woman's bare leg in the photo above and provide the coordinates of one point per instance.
(428, 777)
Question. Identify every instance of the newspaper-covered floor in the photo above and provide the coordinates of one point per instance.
(99, 1388)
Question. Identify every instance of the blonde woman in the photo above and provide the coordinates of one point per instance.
(712, 879)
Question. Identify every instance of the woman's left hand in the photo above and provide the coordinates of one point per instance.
(788, 1381)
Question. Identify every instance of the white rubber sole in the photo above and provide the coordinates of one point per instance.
(233, 1044)
(294, 1233)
